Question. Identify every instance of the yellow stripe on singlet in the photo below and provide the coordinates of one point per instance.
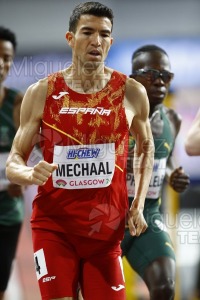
(166, 145)
(169, 245)
(57, 129)
(119, 168)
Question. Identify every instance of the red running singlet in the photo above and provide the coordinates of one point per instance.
(82, 133)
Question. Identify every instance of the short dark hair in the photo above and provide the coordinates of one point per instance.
(8, 35)
(147, 48)
(89, 8)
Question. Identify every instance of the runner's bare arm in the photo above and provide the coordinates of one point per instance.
(25, 139)
(175, 175)
(137, 103)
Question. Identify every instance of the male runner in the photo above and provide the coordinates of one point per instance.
(151, 255)
(11, 202)
(82, 116)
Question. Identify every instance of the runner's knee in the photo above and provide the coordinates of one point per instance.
(164, 291)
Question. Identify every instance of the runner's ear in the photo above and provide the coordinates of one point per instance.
(70, 38)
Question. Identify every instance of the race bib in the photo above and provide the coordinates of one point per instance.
(130, 185)
(4, 182)
(84, 166)
(156, 182)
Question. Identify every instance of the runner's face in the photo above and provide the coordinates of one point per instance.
(156, 89)
(92, 40)
(6, 58)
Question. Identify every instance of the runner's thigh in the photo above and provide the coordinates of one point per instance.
(56, 265)
(103, 277)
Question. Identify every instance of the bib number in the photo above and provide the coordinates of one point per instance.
(156, 182)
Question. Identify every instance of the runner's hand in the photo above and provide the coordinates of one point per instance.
(41, 172)
(136, 221)
(179, 180)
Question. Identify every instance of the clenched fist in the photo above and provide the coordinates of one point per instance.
(41, 172)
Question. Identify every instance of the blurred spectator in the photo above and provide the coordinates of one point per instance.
(11, 200)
